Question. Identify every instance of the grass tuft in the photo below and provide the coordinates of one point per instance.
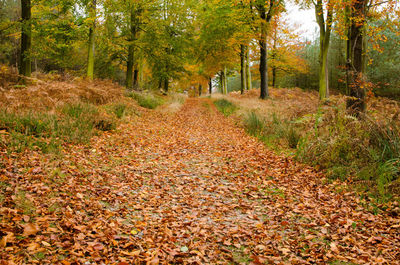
(148, 101)
(74, 123)
(226, 107)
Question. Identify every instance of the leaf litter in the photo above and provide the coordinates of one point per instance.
(190, 188)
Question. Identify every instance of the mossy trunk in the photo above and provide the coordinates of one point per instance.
(225, 82)
(25, 67)
(324, 41)
(242, 68)
(91, 41)
(248, 70)
(323, 73)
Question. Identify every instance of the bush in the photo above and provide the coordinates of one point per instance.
(76, 123)
(363, 149)
(119, 110)
(292, 136)
(226, 107)
(28, 123)
(148, 101)
(254, 124)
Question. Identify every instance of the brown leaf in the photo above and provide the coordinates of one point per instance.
(30, 229)
(6, 239)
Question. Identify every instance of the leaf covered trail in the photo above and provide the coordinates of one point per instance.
(189, 187)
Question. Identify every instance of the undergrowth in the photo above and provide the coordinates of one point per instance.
(146, 100)
(72, 123)
(225, 106)
(364, 151)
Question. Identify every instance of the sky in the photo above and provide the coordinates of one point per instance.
(304, 18)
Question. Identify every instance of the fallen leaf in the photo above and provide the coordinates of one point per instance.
(30, 229)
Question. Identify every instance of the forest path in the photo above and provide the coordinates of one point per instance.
(193, 187)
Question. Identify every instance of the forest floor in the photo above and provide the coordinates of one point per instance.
(179, 188)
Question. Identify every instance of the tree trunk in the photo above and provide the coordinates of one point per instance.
(221, 81)
(265, 19)
(242, 68)
(248, 71)
(210, 86)
(26, 39)
(166, 84)
(159, 84)
(131, 51)
(323, 73)
(263, 65)
(200, 89)
(91, 48)
(225, 82)
(324, 41)
(135, 78)
(274, 77)
(129, 67)
(356, 102)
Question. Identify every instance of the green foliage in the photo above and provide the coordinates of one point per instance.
(28, 124)
(75, 123)
(254, 124)
(347, 147)
(226, 107)
(271, 132)
(145, 100)
(119, 110)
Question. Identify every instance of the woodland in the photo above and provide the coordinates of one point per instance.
(199, 132)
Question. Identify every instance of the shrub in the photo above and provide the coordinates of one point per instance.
(119, 110)
(226, 107)
(292, 136)
(254, 124)
(76, 123)
(148, 101)
(27, 123)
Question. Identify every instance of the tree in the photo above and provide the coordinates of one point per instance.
(136, 10)
(26, 38)
(285, 44)
(266, 11)
(242, 68)
(91, 38)
(248, 70)
(325, 26)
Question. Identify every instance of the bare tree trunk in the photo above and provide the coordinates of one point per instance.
(210, 86)
(200, 89)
